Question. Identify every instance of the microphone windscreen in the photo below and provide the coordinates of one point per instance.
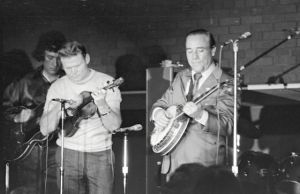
(137, 127)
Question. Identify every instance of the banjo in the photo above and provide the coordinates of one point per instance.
(164, 140)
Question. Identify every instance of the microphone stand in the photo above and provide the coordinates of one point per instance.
(267, 51)
(235, 169)
(61, 169)
(235, 50)
(125, 131)
(274, 79)
(125, 162)
(7, 177)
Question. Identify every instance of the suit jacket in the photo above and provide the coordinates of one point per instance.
(200, 143)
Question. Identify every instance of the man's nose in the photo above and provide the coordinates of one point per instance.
(195, 55)
(54, 63)
(73, 70)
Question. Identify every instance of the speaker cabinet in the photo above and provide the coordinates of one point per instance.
(158, 80)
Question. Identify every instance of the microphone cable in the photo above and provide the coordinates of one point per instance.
(218, 65)
(46, 165)
(47, 154)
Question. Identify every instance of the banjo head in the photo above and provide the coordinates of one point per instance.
(164, 140)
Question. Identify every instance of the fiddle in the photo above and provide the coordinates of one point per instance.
(85, 110)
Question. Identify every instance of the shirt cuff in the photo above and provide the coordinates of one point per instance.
(203, 119)
(153, 113)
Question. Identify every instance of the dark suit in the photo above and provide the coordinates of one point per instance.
(199, 144)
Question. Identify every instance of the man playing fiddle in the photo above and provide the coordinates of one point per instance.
(88, 156)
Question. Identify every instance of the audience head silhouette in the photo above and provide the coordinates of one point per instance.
(194, 178)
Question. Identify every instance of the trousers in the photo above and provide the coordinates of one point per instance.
(86, 172)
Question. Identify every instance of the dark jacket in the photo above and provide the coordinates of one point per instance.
(29, 92)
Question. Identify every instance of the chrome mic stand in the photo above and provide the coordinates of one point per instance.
(235, 135)
(235, 169)
(125, 162)
(61, 168)
(125, 130)
(235, 49)
(7, 178)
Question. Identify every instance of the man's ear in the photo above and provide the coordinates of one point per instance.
(87, 58)
(213, 51)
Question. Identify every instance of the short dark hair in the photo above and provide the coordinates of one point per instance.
(184, 179)
(193, 178)
(71, 49)
(50, 41)
(212, 41)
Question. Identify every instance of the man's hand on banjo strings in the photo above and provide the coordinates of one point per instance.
(162, 117)
(192, 110)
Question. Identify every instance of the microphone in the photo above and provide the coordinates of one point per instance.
(244, 36)
(227, 42)
(241, 37)
(62, 100)
(169, 63)
(136, 127)
(292, 31)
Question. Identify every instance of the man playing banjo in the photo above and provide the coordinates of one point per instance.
(210, 119)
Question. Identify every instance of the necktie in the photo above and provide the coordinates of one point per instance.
(197, 77)
(193, 86)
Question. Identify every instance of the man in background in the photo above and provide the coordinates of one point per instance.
(23, 102)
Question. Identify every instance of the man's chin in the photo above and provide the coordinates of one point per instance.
(197, 67)
(52, 71)
(76, 80)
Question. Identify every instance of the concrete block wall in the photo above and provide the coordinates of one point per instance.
(227, 19)
(104, 43)
(265, 19)
(166, 28)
